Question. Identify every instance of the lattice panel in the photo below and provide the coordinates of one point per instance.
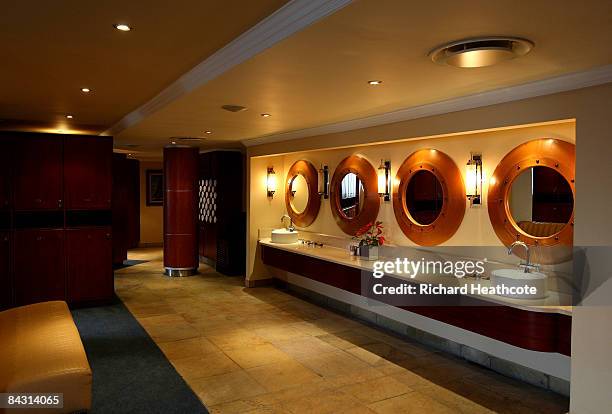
(207, 205)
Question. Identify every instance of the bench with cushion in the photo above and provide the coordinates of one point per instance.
(41, 352)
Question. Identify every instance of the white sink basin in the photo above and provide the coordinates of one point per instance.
(518, 278)
(284, 236)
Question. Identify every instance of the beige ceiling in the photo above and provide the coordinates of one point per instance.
(51, 49)
(318, 76)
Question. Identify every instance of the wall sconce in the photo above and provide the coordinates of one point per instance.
(384, 180)
(473, 179)
(271, 182)
(323, 181)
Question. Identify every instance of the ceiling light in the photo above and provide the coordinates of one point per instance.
(69, 116)
(480, 52)
(173, 142)
(208, 132)
(85, 90)
(122, 26)
(266, 115)
(374, 82)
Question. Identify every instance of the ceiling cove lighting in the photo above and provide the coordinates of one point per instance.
(480, 52)
(122, 27)
(374, 82)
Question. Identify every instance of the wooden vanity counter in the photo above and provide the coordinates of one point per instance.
(538, 325)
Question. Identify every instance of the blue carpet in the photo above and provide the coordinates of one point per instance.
(130, 373)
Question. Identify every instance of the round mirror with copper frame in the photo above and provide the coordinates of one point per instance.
(446, 214)
(552, 154)
(366, 182)
(308, 214)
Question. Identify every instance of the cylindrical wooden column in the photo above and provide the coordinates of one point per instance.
(180, 210)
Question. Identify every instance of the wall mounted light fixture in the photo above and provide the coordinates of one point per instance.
(473, 179)
(271, 182)
(323, 181)
(384, 180)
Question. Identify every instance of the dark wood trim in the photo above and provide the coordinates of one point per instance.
(366, 173)
(309, 172)
(536, 331)
(453, 190)
(546, 152)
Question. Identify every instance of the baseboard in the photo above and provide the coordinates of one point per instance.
(260, 282)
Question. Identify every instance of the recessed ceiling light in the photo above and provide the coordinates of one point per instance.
(480, 52)
(374, 82)
(173, 142)
(208, 132)
(85, 90)
(266, 115)
(122, 26)
(69, 116)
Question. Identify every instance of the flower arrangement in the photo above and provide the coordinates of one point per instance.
(371, 234)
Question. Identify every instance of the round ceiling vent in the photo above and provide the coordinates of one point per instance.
(485, 51)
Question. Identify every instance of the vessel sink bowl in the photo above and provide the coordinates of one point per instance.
(284, 236)
(518, 278)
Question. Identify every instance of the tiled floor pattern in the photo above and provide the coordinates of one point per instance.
(264, 351)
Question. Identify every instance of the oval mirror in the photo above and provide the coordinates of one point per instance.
(299, 193)
(429, 197)
(351, 196)
(302, 199)
(424, 197)
(541, 201)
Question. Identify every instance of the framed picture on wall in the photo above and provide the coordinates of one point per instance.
(155, 188)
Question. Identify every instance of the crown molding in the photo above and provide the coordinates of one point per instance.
(563, 83)
(289, 19)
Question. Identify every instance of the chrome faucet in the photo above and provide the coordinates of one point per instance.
(528, 266)
(291, 227)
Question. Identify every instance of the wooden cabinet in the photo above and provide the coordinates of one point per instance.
(88, 165)
(6, 151)
(6, 291)
(55, 218)
(39, 266)
(38, 172)
(89, 269)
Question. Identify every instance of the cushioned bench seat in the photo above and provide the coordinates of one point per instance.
(41, 351)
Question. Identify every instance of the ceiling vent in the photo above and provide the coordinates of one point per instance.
(186, 139)
(480, 52)
(234, 108)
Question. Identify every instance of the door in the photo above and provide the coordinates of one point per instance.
(38, 173)
(88, 167)
(6, 288)
(39, 266)
(89, 255)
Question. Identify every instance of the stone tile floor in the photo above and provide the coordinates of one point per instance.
(261, 350)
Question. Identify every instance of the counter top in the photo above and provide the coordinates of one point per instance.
(550, 304)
